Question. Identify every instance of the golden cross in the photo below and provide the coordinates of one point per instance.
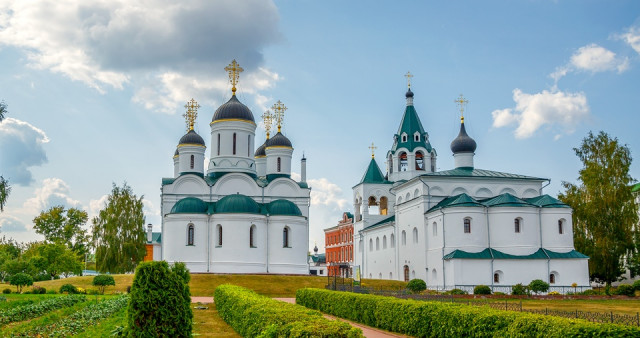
(408, 76)
(278, 112)
(234, 71)
(191, 114)
(267, 118)
(461, 102)
(373, 150)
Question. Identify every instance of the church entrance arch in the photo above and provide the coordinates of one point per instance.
(406, 273)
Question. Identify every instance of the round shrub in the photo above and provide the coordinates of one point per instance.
(68, 288)
(160, 304)
(102, 281)
(38, 290)
(538, 285)
(51, 292)
(625, 290)
(20, 280)
(519, 290)
(457, 292)
(6, 291)
(481, 290)
(416, 285)
(636, 285)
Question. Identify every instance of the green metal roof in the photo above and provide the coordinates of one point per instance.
(411, 124)
(373, 174)
(480, 173)
(490, 253)
(546, 201)
(320, 258)
(461, 200)
(156, 237)
(384, 221)
(349, 215)
(284, 207)
(190, 205)
(238, 204)
(506, 200)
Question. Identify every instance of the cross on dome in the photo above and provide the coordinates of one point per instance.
(408, 76)
(267, 118)
(234, 71)
(373, 150)
(461, 102)
(191, 114)
(278, 112)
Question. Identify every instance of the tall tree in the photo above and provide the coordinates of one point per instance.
(5, 189)
(59, 225)
(604, 210)
(118, 232)
(53, 259)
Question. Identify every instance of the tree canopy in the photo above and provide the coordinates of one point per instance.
(52, 259)
(59, 225)
(5, 189)
(118, 232)
(604, 210)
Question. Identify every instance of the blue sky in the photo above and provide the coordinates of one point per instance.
(96, 89)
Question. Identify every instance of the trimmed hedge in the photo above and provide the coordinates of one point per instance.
(253, 315)
(434, 319)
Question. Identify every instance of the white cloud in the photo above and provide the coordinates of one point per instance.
(11, 224)
(112, 44)
(21, 149)
(592, 58)
(555, 109)
(96, 205)
(52, 192)
(632, 38)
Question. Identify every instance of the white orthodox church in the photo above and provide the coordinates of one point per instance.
(243, 213)
(461, 227)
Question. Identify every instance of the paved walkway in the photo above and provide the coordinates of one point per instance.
(203, 300)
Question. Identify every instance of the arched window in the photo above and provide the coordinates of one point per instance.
(403, 166)
(419, 160)
(190, 234)
(516, 225)
(377, 243)
(248, 145)
(413, 274)
(392, 239)
(373, 208)
(219, 235)
(404, 238)
(433, 163)
(435, 229)
(467, 225)
(390, 275)
(234, 143)
(384, 242)
(552, 278)
(496, 277)
(192, 162)
(218, 144)
(416, 137)
(415, 235)
(285, 237)
(383, 205)
(360, 245)
(390, 164)
(252, 235)
(434, 275)
(380, 275)
(404, 137)
(370, 244)
(279, 164)
(560, 227)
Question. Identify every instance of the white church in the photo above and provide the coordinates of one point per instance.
(461, 227)
(243, 213)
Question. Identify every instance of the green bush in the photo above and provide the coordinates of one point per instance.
(160, 303)
(416, 285)
(457, 292)
(625, 290)
(591, 292)
(498, 293)
(538, 285)
(436, 319)
(20, 280)
(636, 285)
(481, 290)
(253, 315)
(51, 292)
(519, 290)
(102, 281)
(6, 291)
(38, 290)
(68, 288)
(3, 299)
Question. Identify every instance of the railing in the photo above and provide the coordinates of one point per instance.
(507, 289)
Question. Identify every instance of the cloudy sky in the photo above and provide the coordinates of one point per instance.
(95, 89)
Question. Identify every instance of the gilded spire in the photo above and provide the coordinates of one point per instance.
(278, 113)
(191, 114)
(267, 118)
(408, 76)
(461, 102)
(234, 71)
(373, 150)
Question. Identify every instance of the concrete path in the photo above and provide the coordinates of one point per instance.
(203, 300)
(368, 331)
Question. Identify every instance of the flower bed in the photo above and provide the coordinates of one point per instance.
(29, 311)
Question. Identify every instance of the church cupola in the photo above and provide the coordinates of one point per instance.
(232, 133)
(191, 148)
(279, 149)
(463, 146)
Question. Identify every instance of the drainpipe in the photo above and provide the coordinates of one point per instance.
(444, 241)
(546, 185)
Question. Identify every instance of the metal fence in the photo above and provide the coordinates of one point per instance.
(507, 289)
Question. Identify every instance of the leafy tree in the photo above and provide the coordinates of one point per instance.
(20, 280)
(520, 290)
(64, 226)
(10, 251)
(102, 281)
(53, 259)
(5, 189)
(416, 285)
(604, 210)
(538, 285)
(118, 232)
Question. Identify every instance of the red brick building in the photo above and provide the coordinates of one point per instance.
(339, 247)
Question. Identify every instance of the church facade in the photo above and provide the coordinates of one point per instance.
(243, 213)
(461, 227)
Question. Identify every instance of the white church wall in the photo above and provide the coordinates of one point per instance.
(235, 254)
(282, 153)
(551, 237)
(175, 247)
(468, 272)
(569, 271)
(502, 230)
(381, 254)
(157, 252)
(281, 187)
(292, 259)
(456, 238)
(514, 271)
(236, 183)
(186, 151)
(226, 160)
(412, 249)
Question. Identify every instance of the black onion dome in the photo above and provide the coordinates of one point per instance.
(409, 93)
(463, 143)
(176, 153)
(261, 150)
(191, 138)
(233, 109)
(279, 140)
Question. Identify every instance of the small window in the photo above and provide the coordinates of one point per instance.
(370, 244)
(219, 235)
(193, 161)
(285, 237)
(496, 277)
(516, 224)
(393, 241)
(435, 229)
(360, 245)
(417, 138)
(384, 242)
(252, 234)
(415, 235)
(560, 227)
(248, 145)
(403, 164)
(467, 226)
(279, 164)
(218, 144)
(190, 234)
(377, 243)
(404, 138)
(552, 278)
(234, 143)
(404, 238)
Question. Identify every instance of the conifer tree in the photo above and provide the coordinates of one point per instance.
(605, 213)
(118, 232)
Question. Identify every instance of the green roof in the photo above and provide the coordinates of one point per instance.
(546, 201)
(349, 215)
(470, 172)
(496, 254)
(156, 237)
(411, 124)
(320, 258)
(190, 205)
(238, 204)
(503, 200)
(384, 221)
(373, 174)
(284, 207)
(506, 200)
(461, 200)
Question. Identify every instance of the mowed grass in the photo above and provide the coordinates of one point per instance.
(208, 323)
(629, 306)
